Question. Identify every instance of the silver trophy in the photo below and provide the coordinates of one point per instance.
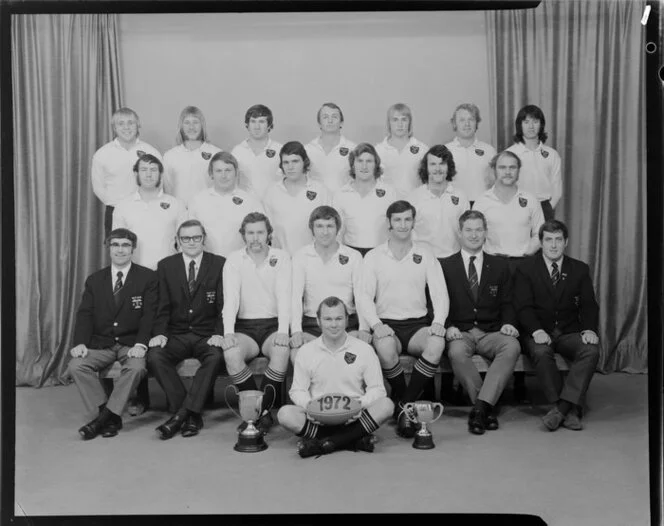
(250, 403)
(424, 413)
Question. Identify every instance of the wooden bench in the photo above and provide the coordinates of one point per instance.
(187, 368)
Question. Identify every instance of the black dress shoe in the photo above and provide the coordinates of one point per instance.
(405, 426)
(91, 429)
(192, 425)
(491, 423)
(309, 447)
(170, 428)
(111, 428)
(476, 422)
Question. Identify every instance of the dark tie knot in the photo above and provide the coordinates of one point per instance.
(473, 258)
(120, 274)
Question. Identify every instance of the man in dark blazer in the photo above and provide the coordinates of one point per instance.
(113, 322)
(188, 324)
(557, 310)
(481, 320)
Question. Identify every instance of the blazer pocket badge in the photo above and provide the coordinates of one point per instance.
(577, 300)
(137, 302)
(493, 290)
(210, 296)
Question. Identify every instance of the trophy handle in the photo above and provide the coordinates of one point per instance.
(440, 406)
(409, 407)
(274, 394)
(237, 393)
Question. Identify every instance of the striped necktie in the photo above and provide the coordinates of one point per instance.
(472, 277)
(192, 276)
(555, 274)
(117, 287)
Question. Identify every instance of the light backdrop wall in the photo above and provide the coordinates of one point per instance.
(293, 62)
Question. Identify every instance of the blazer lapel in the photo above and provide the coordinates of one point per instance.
(484, 278)
(109, 284)
(564, 272)
(125, 290)
(461, 270)
(205, 266)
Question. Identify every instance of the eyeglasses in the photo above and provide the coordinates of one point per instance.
(120, 245)
(189, 239)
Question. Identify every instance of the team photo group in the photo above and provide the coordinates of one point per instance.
(331, 259)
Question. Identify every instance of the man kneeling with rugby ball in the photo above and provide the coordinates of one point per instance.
(337, 389)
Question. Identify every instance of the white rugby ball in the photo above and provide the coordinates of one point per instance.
(333, 408)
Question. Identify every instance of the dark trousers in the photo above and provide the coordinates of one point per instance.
(583, 358)
(162, 364)
(108, 220)
(547, 209)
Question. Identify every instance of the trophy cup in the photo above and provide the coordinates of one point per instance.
(250, 402)
(424, 413)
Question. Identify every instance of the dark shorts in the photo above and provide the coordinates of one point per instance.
(362, 251)
(310, 325)
(258, 329)
(406, 329)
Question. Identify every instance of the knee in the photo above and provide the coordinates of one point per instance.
(435, 346)
(75, 367)
(134, 366)
(381, 410)
(541, 352)
(511, 348)
(213, 356)
(457, 352)
(233, 357)
(289, 415)
(154, 356)
(590, 351)
(386, 347)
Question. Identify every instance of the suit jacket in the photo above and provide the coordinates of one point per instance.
(571, 307)
(494, 306)
(101, 323)
(181, 312)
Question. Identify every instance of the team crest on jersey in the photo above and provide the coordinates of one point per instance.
(523, 202)
(493, 290)
(210, 296)
(455, 200)
(349, 357)
(343, 259)
(206, 155)
(417, 259)
(270, 153)
(137, 302)
(165, 205)
(544, 153)
(380, 192)
(343, 151)
(414, 149)
(140, 153)
(479, 152)
(311, 195)
(237, 200)
(273, 261)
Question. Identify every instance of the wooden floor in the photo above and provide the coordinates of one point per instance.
(598, 476)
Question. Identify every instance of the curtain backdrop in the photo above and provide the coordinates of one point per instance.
(582, 62)
(66, 86)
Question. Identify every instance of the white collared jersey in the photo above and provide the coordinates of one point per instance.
(258, 172)
(353, 370)
(289, 214)
(222, 215)
(437, 218)
(186, 171)
(510, 226)
(473, 174)
(257, 291)
(400, 168)
(315, 279)
(363, 219)
(540, 172)
(395, 289)
(112, 173)
(332, 169)
(155, 224)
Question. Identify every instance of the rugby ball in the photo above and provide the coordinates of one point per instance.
(333, 408)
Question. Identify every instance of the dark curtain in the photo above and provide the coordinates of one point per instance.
(582, 62)
(66, 82)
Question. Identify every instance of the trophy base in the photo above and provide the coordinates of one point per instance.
(423, 443)
(250, 444)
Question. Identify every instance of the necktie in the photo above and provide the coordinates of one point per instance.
(472, 277)
(555, 274)
(117, 286)
(192, 275)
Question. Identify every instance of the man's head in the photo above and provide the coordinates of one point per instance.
(191, 237)
(191, 125)
(223, 169)
(472, 230)
(399, 121)
(365, 159)
(259, 121)
(437, 165)
(293, 160)
(506, 166)
(121, 243)
(401, 219)
(553, 236)
(126, 124)
(324, 223)
(256, 230)
(529, 124)
(330, 117)
(465, 120)
(148, 171)
(332, 316)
